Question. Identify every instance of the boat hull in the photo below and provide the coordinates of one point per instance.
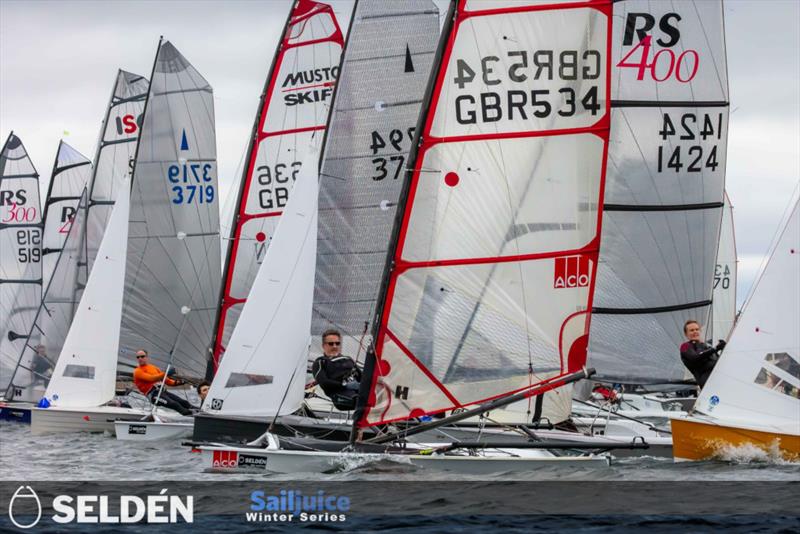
(55, 419)
(219, 459)
(700, 440)
(151, 430)
(241, 430)
(18, 412)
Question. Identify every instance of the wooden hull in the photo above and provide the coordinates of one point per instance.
(693, 439)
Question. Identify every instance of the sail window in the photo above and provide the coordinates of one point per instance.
(236, 380)
(774, 374)
(79, 371)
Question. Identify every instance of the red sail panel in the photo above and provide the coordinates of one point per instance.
(496, 256)
(294, 107)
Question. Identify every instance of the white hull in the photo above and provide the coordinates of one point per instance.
(151, 430)
(99, 419)
(231, 459)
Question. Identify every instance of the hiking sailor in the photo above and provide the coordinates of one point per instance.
(147, 378)
(336, 374)
(697, 356)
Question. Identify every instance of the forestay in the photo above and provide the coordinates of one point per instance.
(663, 199)
(756, 382)
(54, 315)
(71, 173)
(173, 265)
(386, 66)
(86, 371)
(20, 252)
(294, 106)
(113, 161)
(723, 311)
(490, 289)
(264, 369)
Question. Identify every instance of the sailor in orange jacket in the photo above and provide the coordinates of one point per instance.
(147, 378)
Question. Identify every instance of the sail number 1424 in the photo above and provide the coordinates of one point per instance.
(192, 183)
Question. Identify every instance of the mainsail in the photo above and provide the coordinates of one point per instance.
(173, 266)
(113, 160)
(54, 315)
(664, 193)
(491, 279)
(20, 252)
(756, 382)
(723, 312)
(71, 173)
(294, 105)
(386, 66)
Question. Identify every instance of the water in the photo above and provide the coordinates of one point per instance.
(95, 457)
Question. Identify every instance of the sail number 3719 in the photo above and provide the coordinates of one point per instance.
(192, 185)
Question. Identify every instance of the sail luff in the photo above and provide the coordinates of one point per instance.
(306, 65)
(443, 274)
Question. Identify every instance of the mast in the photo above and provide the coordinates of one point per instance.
(293, 107)
(480, 307)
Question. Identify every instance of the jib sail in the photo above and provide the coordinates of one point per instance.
(664, 194)
(20, 252)
(294, 105)
(173, 267)
(491, 280)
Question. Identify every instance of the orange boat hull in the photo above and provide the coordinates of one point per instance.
(697, 440)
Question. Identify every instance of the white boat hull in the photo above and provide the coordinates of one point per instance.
(226, 459)
(99, 419)
(152, 430)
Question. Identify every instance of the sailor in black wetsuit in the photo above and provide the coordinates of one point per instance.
(700, 358)
(337, 375)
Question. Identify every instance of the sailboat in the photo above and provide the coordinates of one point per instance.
(751, 401)
(294, 107)
(723, 313)
(160, 248)
(366, 144)
(500, 212)
(20, 257)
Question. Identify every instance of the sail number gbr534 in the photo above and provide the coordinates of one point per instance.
(512, 100)
(191, 183)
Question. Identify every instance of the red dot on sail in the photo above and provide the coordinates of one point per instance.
(417, 412)
(261, 236)
(451, 179)
(384, 368)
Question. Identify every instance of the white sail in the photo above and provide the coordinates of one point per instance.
(86, 370)
(20, 252)
(53, 318)
(71, 173)
(756, 382)
(294, 106)
(264, 366)
(723, 310)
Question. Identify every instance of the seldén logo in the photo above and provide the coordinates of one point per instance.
(122, 509)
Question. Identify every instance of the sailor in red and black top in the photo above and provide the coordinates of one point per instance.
(699, 357)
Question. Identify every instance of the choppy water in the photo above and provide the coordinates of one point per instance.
(101, 457)
(73, 457)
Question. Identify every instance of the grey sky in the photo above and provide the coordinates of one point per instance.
(58, 60)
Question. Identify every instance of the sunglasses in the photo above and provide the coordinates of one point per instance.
(333, 343)
(141, 356)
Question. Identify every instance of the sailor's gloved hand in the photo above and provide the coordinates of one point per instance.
(179, 382)
(721, 344)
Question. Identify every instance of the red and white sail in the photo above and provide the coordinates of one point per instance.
(493, 271)
(294, 105)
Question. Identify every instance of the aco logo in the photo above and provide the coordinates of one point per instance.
(225, 459)
(23, 503)
(571, 271)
